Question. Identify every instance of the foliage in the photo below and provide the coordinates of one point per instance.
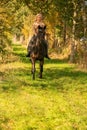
(11, 19)
(4, 26)
(17, 17)
(38, 6)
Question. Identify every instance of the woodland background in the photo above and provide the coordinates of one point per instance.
(58, 101)
(66, 22)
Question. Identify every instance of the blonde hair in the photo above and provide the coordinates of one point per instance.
(39, 15)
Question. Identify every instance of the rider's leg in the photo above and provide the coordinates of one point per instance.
(46, 49)
(32, 41)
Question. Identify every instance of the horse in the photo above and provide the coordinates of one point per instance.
(38, 51)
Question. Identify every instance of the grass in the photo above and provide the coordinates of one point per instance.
(56, 102)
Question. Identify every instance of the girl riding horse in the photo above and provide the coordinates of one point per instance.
(38, 22)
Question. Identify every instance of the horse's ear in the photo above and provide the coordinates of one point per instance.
(39, 27)
(45, 27)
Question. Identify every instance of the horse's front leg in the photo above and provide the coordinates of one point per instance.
(33, 68)
(41, 68)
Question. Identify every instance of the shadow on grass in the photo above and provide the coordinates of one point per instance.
(66, 79)
(53, 78)
(21, 52)
(63, 79)
(15, 79)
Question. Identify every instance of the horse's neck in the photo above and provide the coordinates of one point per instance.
(39, 36)
(39, 41)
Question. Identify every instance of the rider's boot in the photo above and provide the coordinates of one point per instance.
(46, 48)
(28, 54)
(47, 56)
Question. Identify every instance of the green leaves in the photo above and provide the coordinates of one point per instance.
(11, 21)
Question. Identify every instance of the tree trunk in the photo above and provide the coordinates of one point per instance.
(64, 33)
(84, 17)
(72, 55)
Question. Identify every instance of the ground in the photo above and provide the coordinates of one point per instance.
(56, 102)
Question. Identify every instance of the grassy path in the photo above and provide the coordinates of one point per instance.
(57, 102)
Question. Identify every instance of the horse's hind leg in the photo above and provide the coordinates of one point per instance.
(33, 68)
(41, 68)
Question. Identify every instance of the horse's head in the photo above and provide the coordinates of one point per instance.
(41, 31)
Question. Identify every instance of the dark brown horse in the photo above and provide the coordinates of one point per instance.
(38, 51)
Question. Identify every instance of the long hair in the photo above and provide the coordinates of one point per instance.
(39, 15)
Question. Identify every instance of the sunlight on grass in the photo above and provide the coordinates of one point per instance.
(56, 102)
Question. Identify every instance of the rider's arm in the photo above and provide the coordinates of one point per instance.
(35, 28)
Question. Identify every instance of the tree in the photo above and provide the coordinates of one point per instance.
(11, 22)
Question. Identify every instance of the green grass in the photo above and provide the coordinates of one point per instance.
(56, 102)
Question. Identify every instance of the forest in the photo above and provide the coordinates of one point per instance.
(58, 101)
(66, 22)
